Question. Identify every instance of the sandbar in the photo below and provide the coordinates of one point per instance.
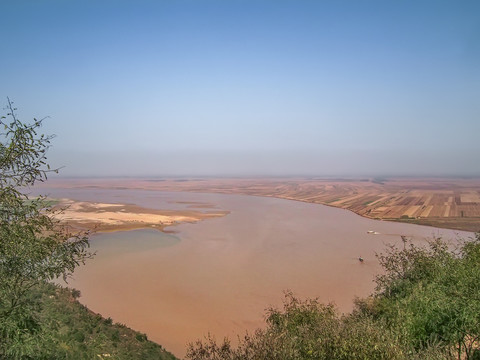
(103, 217)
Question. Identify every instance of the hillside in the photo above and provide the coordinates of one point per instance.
(69, 330)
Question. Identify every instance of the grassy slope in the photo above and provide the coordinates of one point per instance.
(81, 334)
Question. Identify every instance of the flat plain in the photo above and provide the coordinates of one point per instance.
(452, 203)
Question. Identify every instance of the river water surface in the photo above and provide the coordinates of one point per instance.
(219, 275)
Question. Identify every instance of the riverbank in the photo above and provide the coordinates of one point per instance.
(450, 203)
(108, 217)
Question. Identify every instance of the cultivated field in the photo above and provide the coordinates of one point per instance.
(446, 203)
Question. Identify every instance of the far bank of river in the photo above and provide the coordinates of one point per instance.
(220, 274)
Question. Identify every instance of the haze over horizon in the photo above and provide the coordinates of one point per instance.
(161, 88)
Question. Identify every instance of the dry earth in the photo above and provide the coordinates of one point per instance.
(113, 217)
(445, 203)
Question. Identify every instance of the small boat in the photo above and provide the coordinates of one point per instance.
(360, 259)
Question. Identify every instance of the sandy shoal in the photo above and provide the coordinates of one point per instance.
(107, 217)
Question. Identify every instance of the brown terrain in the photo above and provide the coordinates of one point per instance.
(103, 217)
(446, 203)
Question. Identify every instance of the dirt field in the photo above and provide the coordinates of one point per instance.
(447, 203)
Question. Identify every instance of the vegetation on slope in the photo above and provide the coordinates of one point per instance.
(66, 329)
(426, 306)
(34, 248)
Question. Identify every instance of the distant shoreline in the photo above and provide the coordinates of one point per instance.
(450, 203)
(112, 217)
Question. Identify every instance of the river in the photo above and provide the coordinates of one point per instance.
(218, 276)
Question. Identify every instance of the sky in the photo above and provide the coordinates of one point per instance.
(243, 87)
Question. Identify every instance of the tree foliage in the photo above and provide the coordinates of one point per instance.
(426, 306)
(80, 334)
(34, 247)
(432, 296)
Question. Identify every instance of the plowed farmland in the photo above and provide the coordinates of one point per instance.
(447, 203)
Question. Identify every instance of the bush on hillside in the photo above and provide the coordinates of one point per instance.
(426, 306)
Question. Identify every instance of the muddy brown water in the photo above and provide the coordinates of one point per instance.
(219, 275)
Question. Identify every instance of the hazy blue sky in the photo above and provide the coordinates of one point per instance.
(248, 87)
